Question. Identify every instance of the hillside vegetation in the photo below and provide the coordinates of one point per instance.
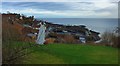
(17, 48)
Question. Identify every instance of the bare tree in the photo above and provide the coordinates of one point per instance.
(110, 38)
(107, 36)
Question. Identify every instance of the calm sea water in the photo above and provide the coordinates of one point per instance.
(96, 24)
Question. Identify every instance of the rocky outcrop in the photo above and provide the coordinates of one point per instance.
(60, 33)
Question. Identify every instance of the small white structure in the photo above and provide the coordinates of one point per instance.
(21, 17)
(31, 34)
(98, 41)
(41, 35)
(82, 39)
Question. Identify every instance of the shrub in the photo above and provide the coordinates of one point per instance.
(49, 40)
(110, 39)
(69, 39)
(11, 33)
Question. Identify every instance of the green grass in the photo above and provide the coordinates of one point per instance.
(72, 54)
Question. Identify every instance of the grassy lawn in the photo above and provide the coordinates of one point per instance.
(72, 54)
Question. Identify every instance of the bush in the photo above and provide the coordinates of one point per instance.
(10, 35)
(49, 40)
(69, 39)
(110, 39)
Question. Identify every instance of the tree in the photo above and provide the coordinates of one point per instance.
(110, 38)
(8, 12)
(117, 31)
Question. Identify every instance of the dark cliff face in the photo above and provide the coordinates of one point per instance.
(76, 31)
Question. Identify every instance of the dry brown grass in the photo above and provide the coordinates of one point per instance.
(49, 40)
(69, 39)
(10, 33)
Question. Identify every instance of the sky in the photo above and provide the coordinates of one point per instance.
(64, 8)
(59, 0)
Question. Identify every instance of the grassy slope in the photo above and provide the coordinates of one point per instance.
(72, 54)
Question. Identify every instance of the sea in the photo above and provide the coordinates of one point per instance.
(96, 24)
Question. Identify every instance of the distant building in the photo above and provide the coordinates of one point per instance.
(9, 17)
(82, 39)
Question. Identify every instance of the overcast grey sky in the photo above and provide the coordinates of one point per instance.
(64, 9)
(60, 0)
(67, 9)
